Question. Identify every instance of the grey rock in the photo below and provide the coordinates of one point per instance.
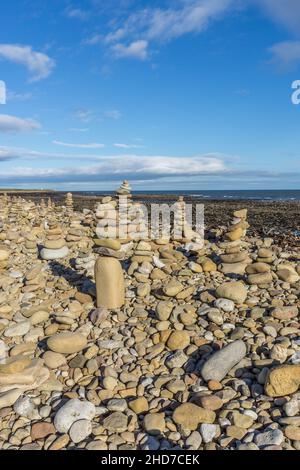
(208, 432)
(269, 438)
(49, 254)
(176, 359)
(116, 422)
(73, 410)
(80, 430)
(220, 363)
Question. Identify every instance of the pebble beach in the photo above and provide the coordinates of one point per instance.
(107, 343)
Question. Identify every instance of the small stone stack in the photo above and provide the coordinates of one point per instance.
(3, 208)
(76, 236)
(16, 210)
(30, 245)
(34, 279)
(235, 259)
(124, 189)
(55, 245)
(85, 262)
(259, 273)
(109, 278)
(107, 230)
(69, 203)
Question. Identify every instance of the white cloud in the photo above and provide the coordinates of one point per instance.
(79, 146)
(93, 40)
(84, 115)
(15, 96)
(136, 50)
(39, 64)
(285, 54)
(77, 13)
(10, 123)
(79, 129)
(160, 25)
(284, 12)
(113, 114)
(127, 146)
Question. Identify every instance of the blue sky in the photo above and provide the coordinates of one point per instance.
(170, 94)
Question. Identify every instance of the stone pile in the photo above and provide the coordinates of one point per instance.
(34, 279)
(69, 203)
(55, 245)
(125, 189)
(175, 356)
(85, 262)
(235, 259)
(30, 245)
(109, 276)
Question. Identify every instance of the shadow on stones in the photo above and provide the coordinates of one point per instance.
(81, 282)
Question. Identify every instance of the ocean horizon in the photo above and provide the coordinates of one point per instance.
(254, 195)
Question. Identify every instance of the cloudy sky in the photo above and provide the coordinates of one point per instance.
(170, 94)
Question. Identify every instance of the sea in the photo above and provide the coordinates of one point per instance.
(252, 195)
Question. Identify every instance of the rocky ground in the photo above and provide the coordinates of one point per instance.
(203, 354)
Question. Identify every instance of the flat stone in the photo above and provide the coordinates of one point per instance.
(9, 398)
(20, 329)
(14, 364)
(189, 416)
(285, 313)
(225, 304)
(269, 438)
(67, 343)
(48, 254)
(235, 291)
(211, 402)
(116, 422)
(41, 430)
(292, 432)
(54, 360)
(139, 405)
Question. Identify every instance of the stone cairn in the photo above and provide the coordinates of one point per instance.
(235, 259)
(55, 245)
(69, 203)
(3, 208)
(30, 245)
(34, 279)
(109, 278)
(259, 272)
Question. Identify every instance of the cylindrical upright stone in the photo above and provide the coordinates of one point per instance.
(109, 280)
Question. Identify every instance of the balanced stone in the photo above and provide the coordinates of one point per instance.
(109, 283)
